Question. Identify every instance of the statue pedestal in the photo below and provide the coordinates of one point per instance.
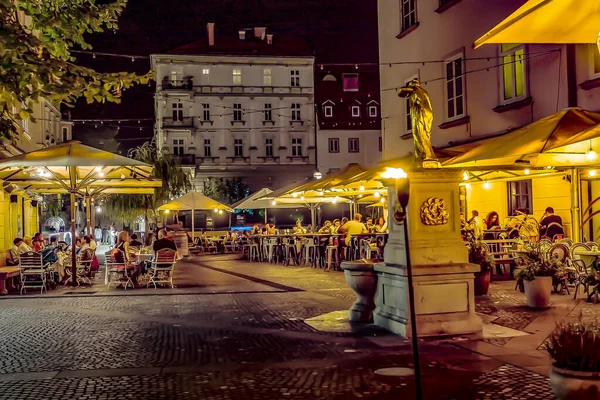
(442, 276)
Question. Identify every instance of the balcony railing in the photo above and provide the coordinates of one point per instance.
(185, 122)
(187, 159)
(178, 84)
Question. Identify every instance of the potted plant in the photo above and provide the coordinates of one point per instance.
(479, 255)
(537, 275)
(575, 351)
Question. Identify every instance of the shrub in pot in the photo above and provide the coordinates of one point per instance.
(575, 351)
(480, 255)
(537, 276)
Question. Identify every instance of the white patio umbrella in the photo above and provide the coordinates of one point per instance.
(193, 201)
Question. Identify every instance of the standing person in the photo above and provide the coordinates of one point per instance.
(354, 227)
(98, 235)
(475, 224)
(105, 235)
(112, 233)
(551, 224)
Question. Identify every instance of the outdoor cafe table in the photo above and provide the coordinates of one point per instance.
(588, 257)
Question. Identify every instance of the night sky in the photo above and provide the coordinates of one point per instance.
(338, 31)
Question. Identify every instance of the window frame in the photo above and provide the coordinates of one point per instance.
(238, 147)
(451, 61)
(507, 52)
(296, 147)
(514, 200)
(373, 114)
(351, 148)
(296, 115)
(237, 77)
(206, 111)
(335, 148)
(268, 112)
(412, 11)
(207, 148)
(178, 144)
(237, 112)
(267, 77)
(352, 109)
(295, 78)
(268, 147)
(177, 108)
(348, 75)
(594, 55)
(330, 114)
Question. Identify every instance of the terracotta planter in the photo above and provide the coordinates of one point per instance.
(572, 385)
(482, 283)
(538, 291)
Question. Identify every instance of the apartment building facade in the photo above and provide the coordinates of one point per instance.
(480, 93)
(239, 106)
(349, 116)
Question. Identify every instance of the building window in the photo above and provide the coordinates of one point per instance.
(295, 77)
(206, 111)
(178, 111)
(178, 147)
(594, 62)
(207, 149)
(269, 147)
(238, 147)
(205, 71)
(328, 111)
(513, 72)
(296, 147)
(65, 134)
(520, 197)
(356, 111)
(455, 100)
(373, 111)
(268, 112)
(353, 145)
(296, 112)
(237, 77)
(237, 112)
(334, 145)
(380, 144)
(409, 13)
(350, 82)
(267, 77)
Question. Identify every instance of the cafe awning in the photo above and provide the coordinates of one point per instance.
(546, 22)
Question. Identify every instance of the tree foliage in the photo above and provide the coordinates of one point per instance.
(227, 191)
(36, 40)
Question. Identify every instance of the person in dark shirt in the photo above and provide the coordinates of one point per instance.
(135, 242)
(551, 224)
(163, 242)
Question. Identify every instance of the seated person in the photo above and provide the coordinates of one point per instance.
(163, 242)
(135, 242)
(12, 258)
(551, 224)
(27, 241)
(299, 229)
(38, 242)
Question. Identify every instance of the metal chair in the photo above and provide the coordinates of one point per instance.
(163, 265)
(33, 271)
(116, 270)
(578, 247)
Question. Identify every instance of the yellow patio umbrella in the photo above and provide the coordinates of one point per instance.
(548, 21)
(193, 201)
(319, 184)
(542, 143)
(75, 168)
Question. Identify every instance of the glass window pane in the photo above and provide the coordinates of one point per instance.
(449, 74)
(458, 67)
(450, 87)
(450, 108)
(459, 88)
(459, 105)
(507, 77)
(519, 73)
(508, 46)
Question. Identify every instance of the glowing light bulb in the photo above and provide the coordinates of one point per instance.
(301, 197)
(360, 196)
(382, 200)
(465, 176)
(592, 172)
(526, 172)
(377, 195)
(101, 174)
(294, 194)
(274, 202)
(98, 169)
(334, 200)
(98, 209)
(122, 176)
(220, 211)
(362, 187)
(486, 185)
(216, 210)
(167, 211)
(591, 155)
(468, 186)
(549, 167)
(393, 173)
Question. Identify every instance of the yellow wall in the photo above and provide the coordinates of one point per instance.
(550, 191)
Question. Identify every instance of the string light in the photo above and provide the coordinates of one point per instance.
(592, 173)
(377, 195)
(526, 172)
(486, 185)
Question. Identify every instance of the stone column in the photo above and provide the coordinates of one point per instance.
(443, 278)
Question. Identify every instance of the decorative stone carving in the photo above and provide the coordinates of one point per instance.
(433, 212)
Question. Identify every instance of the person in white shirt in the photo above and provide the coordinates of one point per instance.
(98, 234)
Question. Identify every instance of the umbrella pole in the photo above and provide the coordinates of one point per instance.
(312, 215)
(88, 215)
(266, 216)
(193, 218)
(73, 241)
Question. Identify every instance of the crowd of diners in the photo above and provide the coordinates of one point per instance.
(549, 226)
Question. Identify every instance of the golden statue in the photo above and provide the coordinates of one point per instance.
(421, 117)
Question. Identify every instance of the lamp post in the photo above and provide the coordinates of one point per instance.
(402, 186)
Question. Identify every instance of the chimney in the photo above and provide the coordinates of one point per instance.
(259, 32)
(269, 38)
(242, 35)
(210, 29)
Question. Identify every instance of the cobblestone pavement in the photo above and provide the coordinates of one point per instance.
(241, 334)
